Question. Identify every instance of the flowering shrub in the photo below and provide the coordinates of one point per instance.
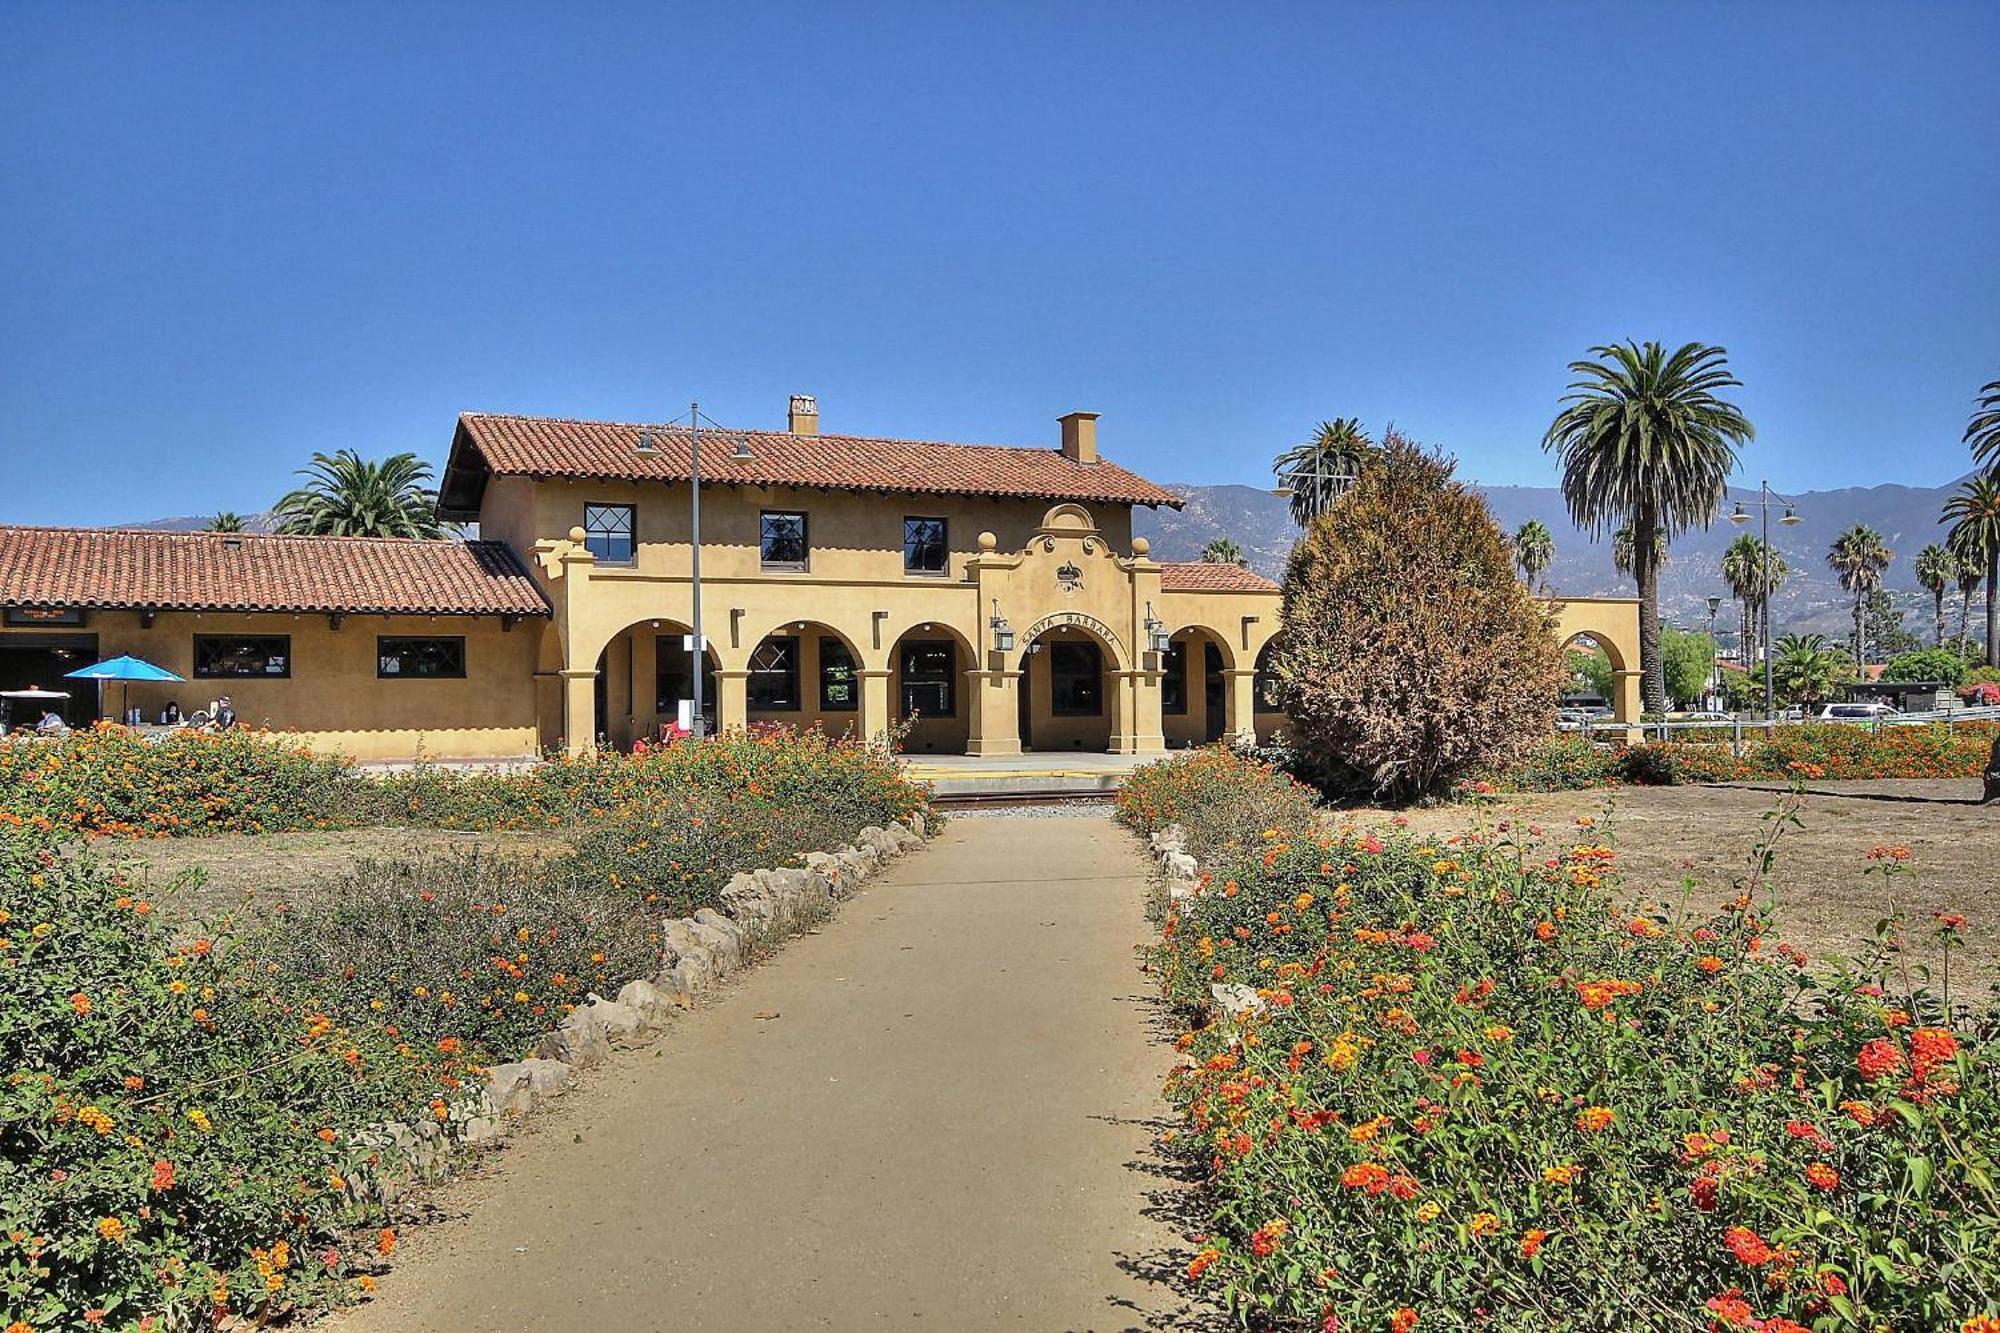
(1474, 1093)
(481, 952)
(1213, 794)
(1568, 762)
(177, 1127)
(112, 780)
(190, 1117)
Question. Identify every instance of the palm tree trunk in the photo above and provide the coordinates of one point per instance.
(1860, 644)
(1992, 606)
(1940, 615)
(1964, 616)
(1646, 567)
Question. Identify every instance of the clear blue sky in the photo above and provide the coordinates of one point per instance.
(233, 235)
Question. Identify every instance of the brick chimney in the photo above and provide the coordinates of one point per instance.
(1079, 436)
(803, 419)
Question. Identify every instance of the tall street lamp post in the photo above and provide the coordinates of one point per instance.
(1324, 480)
(697, 642)
(1765, 498)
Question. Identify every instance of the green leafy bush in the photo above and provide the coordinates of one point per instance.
(1566, 762)
(1927, 664)
(1475, 1093)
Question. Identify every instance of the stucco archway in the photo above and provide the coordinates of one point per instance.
(1194, 686)
(643, 673)
(1612, 623)
(1069, 694)
(807, 673)
(930, 687)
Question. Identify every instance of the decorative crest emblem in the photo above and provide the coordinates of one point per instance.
(1069, 578)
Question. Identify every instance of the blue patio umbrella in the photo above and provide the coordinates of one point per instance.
(125, 670)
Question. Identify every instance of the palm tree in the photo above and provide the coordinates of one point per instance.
(1647, 441)
(1621, 551)
(1743, 571)
(1970, 573)
(1937, 570)
(1974, 515)
(1534, 550)
(347, 496)
(1805, 668)
(1859, 556)
(227, 520)
(1312, 472)
(1983, 431)
(1223, 551)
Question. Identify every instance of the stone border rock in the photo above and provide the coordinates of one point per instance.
(761, 907)
(1181, 873)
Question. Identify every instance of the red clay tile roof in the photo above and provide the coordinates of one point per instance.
(211, 571)
(605, 450)
(1206, 577)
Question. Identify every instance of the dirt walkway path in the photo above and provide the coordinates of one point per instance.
(947, 1125)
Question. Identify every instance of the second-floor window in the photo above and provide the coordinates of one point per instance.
(924, 546)
(783, 540)
(608, 532)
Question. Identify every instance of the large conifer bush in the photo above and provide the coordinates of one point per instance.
(1412, 656)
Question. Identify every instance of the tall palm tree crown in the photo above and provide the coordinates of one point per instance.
(1534, 550)
(1860, 557)
(1745, 570)
(1311, 471)
(1937, 570)
(1647, 441)
(348, 496)
(1983, 431)
(1974, 515)
(1222, 551)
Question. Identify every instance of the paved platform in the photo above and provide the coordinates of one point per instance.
(1062, 772)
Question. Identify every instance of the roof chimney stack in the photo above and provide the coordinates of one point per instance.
(1079, 436)
(804, 416)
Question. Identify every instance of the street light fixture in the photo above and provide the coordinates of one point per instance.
(697, 642)
(1326, 483)
(1791, 519)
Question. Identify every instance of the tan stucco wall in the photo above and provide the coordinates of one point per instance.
(1049, 568)
(332, 696)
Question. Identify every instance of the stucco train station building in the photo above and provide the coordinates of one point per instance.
(996, 595)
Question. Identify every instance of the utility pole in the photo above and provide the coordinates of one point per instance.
(1765, 495)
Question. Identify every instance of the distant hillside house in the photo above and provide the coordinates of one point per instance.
(995, 596)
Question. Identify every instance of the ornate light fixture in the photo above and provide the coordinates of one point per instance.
(1157, 637)
(1003, 633)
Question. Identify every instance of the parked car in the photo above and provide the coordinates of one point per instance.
(1856, 712)
(1705, 716)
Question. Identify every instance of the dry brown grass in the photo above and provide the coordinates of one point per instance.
(1826, 905)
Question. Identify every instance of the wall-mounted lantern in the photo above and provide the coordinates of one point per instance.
(1157, 637)
(1003, 633)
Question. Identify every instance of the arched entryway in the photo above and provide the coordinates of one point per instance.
(929, 690)
(1194, 687)
(1068, 693)
(807, 674)
(644, 675)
